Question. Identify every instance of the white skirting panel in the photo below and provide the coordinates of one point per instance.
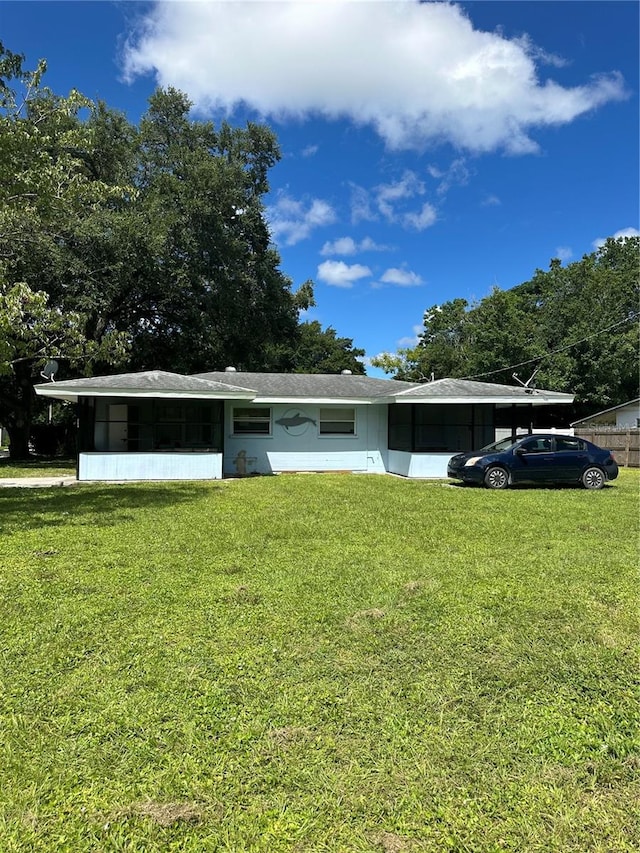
(419, 465)
(319, 461)
(150, 466)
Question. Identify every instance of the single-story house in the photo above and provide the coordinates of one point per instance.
(160, 426)
(624, 416)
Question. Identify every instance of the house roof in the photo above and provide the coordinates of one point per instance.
(630, 403)
(466, 391)
(295, 388)
(311, 387)
(152, 383)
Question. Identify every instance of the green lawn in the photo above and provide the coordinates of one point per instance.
(37, 467)
(319, 663)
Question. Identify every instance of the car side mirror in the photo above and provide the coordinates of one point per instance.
(520, 451)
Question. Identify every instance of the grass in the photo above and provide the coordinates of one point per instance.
(37, 467)
(319, 663)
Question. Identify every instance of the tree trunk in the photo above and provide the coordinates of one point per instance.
(19, 441)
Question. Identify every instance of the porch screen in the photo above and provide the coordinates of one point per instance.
(439, 428)
(154, 424)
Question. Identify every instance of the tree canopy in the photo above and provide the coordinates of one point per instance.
(150, 239)
(44, 185)
(576, 325)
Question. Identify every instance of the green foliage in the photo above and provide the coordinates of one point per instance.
(31, 331)
(153, 235)
(318, 350)
(262, 665)
(578, 324)
(211, 290)
(46, 185)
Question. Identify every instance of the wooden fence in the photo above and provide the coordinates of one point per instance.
(623, 441)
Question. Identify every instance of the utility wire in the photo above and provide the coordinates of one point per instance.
(555, 351)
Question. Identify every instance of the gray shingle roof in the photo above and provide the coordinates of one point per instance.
(310, 385)
(149, 382)
(274, 387)
(456, 389)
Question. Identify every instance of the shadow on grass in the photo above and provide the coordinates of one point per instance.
(524, 487)
(98, 506)
(37, 463)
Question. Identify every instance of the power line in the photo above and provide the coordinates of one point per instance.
(555, 351)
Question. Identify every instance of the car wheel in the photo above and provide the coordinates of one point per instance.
(593, 478)
(496, 478)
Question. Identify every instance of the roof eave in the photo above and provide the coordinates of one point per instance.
(533, 400)
(269, 399)
(72, 395)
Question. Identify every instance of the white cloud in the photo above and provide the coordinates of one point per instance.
(564, 253)
(418, 73)
(391, 202)
(388, 195)
(624, 232)
(348, 246)
(457, 174)
(537, 53)
(401, 277)
(339, 274)
(361, 205)
(369, 245)
(424, 218)
(341, 246)
(491, 201)
(291, 221)
(411, 341)
(310, 150)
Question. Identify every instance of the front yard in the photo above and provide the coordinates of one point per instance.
(319, 663)
(37, 467)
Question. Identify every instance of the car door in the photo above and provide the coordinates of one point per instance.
(533, 461)
(570, 458)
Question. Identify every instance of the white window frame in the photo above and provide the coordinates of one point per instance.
(332, 412)
(257, 419)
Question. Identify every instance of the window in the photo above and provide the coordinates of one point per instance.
(337, 421)
(536, 445)
(568, 442)
(251, 421)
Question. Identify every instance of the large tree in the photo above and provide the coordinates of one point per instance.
(318, 350)
(576, 326)
(44, 185)
(33, 333)
(152, 234)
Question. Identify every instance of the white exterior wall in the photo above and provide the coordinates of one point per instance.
(150, 466)
(419, 465)
(628, 416)
(302, 448)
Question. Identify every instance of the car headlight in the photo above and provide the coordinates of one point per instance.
(472, 461)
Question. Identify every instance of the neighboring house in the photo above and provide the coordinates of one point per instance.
(159, 425)
(624, 416)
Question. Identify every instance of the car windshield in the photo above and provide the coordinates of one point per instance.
(499, 446)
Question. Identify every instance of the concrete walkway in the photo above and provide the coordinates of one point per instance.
(35, 482)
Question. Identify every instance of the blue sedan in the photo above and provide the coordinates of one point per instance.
(547, 458)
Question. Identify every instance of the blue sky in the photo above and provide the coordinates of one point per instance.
(430, 150)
